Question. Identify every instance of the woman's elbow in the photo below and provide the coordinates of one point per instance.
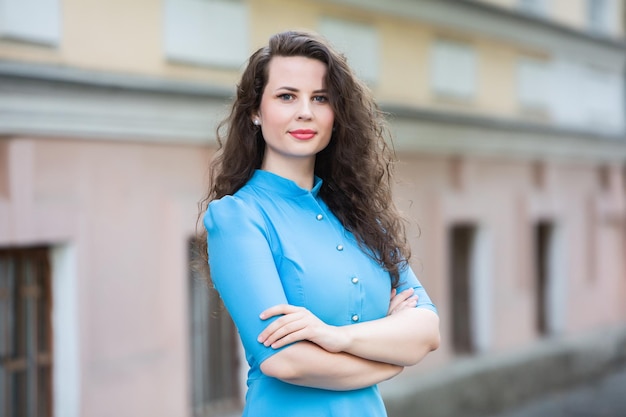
(276, 367)
(435, 340)
(433, 337)
(429, 341)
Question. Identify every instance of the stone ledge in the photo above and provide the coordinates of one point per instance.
(489, 384)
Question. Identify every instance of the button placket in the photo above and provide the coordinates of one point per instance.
(321, 215)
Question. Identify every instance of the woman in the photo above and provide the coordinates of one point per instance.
(305, 246)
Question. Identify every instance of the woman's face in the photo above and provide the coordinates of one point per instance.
(295, 115)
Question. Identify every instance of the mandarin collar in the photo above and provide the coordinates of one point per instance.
(273, 182)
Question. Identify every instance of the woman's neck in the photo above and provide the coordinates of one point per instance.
(299, 172)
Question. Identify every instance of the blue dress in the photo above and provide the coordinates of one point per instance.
(273, 242)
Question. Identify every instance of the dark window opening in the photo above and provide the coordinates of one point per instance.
(543, 237)
(214, 346)
(461, 241)
(25, 333)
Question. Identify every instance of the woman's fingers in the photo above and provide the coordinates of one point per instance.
(278, 310)
(296, 323)
(281, 328)
(406, 299)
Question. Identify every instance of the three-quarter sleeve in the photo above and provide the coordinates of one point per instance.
(243, 269)
(409, 280)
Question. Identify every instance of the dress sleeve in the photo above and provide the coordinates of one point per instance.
(243, 269)
(409, 280)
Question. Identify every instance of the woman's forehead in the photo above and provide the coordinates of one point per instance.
(297, 70)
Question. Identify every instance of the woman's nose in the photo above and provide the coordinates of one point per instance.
(304, 111)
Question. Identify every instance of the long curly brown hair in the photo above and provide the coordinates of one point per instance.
(356, 166)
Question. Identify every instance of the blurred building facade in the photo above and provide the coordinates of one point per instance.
(509, 124)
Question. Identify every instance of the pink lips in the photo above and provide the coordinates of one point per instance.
(302, 134)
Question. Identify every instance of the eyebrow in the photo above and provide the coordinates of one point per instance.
(295, 90)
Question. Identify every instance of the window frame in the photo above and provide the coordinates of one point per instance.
(446, 83)
(214, 346)
(26, 333)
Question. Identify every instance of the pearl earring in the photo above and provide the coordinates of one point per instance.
(256, 122)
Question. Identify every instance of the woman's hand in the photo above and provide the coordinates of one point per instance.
(398, 302)
(296, 324)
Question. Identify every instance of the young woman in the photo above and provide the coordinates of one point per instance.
(306, 248)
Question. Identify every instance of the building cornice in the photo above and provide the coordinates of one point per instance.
(108, 80)
(57, 101)
(445, 133)
(496, 123)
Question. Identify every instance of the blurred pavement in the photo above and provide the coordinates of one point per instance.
(604, 397)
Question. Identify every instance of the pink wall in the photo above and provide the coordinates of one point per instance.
(128, 209)
(505, 198)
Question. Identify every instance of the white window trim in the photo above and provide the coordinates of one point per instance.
(603, 25)
(536, 73)
(556, 288)
(358, 41)
(65, 313)
(195, 30)
(481, 290)
(37, 21)
(454, 80)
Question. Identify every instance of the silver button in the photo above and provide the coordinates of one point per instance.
(319, 217)
(355, 280)
(355, 317)
(339, 247)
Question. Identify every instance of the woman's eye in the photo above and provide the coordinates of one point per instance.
(320, 99)
(286, 96)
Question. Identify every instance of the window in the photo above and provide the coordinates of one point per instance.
(550, 278)
(533, 84)
(214, 346)
(31, 20)
(598, 16)
(543, 232)
(534, 7)
(359, 42)
(25, 333)
(460, 264)
(471, 287)
(597, 102)
(453, 69)
(601, 98)
(207, 32)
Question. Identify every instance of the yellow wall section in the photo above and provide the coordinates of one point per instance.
(404, 62)
(115, 35)
(270, 16)
(497, 82)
